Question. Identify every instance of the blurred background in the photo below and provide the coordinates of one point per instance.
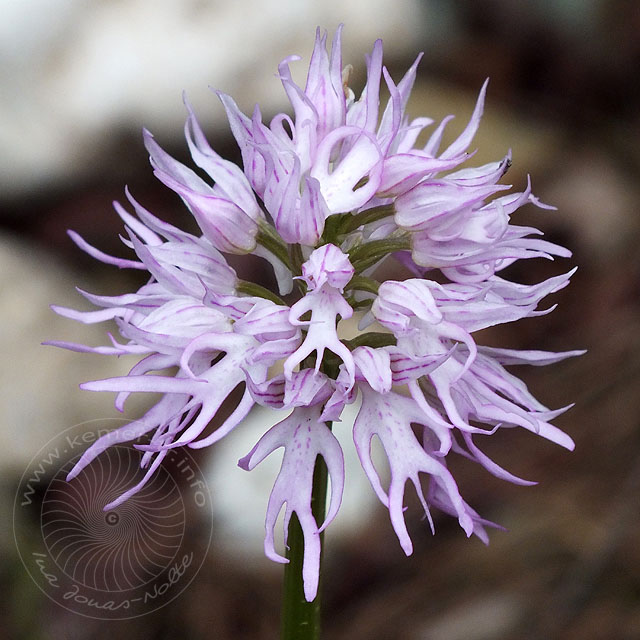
(78, 81)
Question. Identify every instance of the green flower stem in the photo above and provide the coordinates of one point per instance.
(351, 223)
(363, 284)
(357, 305)
(268, 238)
(332, 228)
(372, 339)
(253, 289)
(366, 255)
(301, 619)
(297, 258)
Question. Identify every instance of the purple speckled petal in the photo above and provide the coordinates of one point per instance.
(228, 176)
(431, 202)
(375, 367)
(305, 388)
(462, 142)
(303, 438)
(266, 321)
(364, 113)
(324, 84)
(402, 171)
(294, 202)
(389, 417)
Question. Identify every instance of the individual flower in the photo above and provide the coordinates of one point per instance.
(325, 196)
(326, 274)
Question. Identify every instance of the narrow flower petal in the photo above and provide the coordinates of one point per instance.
(103, 257)
(464, 139)
(229, 178)
(324, 84)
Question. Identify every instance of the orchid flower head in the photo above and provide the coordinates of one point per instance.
(328, 193)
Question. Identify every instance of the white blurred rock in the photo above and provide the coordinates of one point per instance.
(493, 615)
(73, 70)
(39, 394)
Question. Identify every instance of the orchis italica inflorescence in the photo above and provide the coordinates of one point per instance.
(326, 196)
